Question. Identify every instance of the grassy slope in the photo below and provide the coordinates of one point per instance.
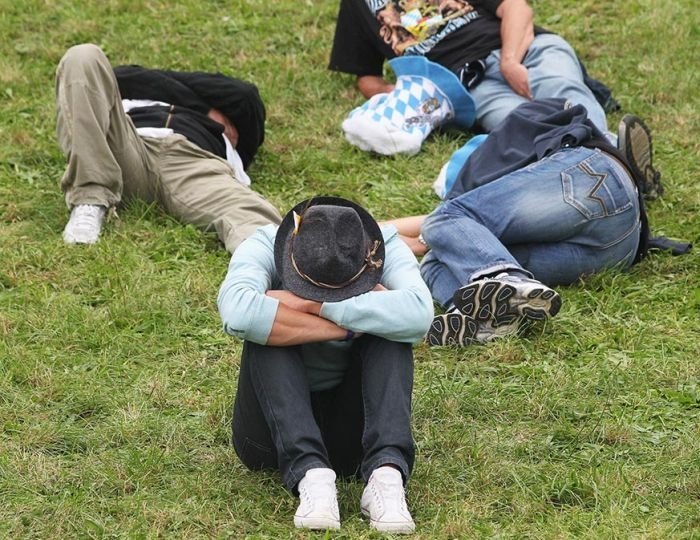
(116, 381)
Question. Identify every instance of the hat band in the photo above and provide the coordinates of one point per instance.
(369, 263)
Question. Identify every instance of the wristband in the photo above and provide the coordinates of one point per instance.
(349, 335)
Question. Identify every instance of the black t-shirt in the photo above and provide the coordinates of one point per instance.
(370, 31)
(194, 126)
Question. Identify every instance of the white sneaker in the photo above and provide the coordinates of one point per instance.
(318, 506)
(383, 500)
(84, 224)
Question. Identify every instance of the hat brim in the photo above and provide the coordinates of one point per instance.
(293, 282)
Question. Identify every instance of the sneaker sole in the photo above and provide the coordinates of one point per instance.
(451, 329)
(74, 240)
(316, 523)
(635, 141)
(492, 300)
(402, 527)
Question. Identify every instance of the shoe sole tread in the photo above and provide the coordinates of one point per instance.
(636, 143)
(452, 329)
(501, 303)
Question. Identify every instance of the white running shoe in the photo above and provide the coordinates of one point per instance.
(318, 502)
(85, 224)
(505, 299)
(492, 308)
(383, 500)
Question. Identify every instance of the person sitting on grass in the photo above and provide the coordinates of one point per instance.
(541, 201)
(328, 305)
(182, 140)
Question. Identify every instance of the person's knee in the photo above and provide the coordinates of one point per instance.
(383, 349)
(85, 62)
(432, 226)
(84, 53)
(552, 43)
(456, 208)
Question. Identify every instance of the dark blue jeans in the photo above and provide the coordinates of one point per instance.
(361, 424)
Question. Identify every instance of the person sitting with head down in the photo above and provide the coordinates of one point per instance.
(328, 304)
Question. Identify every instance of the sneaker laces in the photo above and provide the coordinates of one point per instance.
(317, 490)
(391, 495)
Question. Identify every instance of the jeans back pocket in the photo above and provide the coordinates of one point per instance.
(597, 187)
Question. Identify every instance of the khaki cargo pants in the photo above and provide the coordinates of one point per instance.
(109, 162)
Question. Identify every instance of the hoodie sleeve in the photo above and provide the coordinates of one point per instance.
(245, 310)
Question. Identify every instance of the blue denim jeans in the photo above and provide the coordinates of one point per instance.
(573, 213)
(363, 423)
(553, 71)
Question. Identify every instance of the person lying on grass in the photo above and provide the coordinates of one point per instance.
(456, 62)
(328, 305)
(180, 139)
(541, 201)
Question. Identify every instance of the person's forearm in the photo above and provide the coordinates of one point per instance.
(370, 85)
(406, 226)
(517, 31)
(417, 246)
(292, 327)
(409, 231)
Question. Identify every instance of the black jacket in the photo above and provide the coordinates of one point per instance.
(191, 96)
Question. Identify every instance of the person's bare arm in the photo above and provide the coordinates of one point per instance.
(295, 302)
(298, 321)
(417, 247)
(517, 33)
(407, 226)
(409, 231)
(230, 130)
(293, 327)
(370, 85)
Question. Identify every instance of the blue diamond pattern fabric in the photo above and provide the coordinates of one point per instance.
(404, 106)
(368, 105)
(399, 121)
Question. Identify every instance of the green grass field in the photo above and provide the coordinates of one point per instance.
(116, 380)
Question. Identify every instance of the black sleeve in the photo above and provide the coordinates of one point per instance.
(136, 82)
(357, 48)
(238, 100)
